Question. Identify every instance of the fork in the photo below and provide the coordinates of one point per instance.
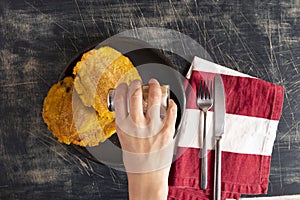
(204, 103)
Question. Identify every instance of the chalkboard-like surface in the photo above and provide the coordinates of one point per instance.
(38, 38)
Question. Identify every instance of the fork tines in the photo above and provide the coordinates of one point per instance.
(205, 89)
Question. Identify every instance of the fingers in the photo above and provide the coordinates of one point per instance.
(129, 103)
(154, 99)
(169, 125)
(135, 101)
(120, 101)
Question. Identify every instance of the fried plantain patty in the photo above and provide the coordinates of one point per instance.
(75, 110)
(57, 112)
(97, 72)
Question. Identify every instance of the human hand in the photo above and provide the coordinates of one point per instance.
(146, 139)
(144, 130)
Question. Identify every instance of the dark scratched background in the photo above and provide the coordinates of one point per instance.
(38, 38)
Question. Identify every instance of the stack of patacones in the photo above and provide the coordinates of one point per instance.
(75, 108)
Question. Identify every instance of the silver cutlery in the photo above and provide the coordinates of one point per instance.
(219, 122)
(204, 103)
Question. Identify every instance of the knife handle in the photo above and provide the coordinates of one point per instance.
(218, 164)
(203, 176)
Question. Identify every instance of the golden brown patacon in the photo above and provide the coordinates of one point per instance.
(81, 116)
(57, 112)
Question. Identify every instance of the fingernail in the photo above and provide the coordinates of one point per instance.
(173, 106)
(153, 81)
(136, 82)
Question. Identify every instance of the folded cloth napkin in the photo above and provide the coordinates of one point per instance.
(253, 109)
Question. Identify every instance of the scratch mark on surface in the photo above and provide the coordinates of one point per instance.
(64, 153)
(293, 127)
(177, 26)
(73, 44)
(132, 25)
(220, 50)
(44, 80)
(63, 52)
(272, 56)
(245, 46)
(18, 84)
(92, 170)
(85, 167)
(89, 166)
(94, 22)
(142, 19)
(60, 150)
(45, 139)
(113, 176)
(235, 63)
(296, 67)
(279, 164)
(49, 17)
(194, 19)
(81, 17)
(159, 12)
(99, 193)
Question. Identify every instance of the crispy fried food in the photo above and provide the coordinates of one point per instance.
(57, 112)
(75, 110)
(68, 119)
(97, 72)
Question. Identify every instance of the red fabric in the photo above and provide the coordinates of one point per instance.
(244, 96)
(176, 193)
(241, 173)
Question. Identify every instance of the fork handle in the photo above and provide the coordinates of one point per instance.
(203, 183)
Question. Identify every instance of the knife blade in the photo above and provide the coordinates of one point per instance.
(219, 106)
(219, 125)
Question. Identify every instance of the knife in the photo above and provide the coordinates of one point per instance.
(219, 122)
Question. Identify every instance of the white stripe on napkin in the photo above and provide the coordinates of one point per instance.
(237, 138)
(199, 64)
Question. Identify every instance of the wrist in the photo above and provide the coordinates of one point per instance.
(152, 185)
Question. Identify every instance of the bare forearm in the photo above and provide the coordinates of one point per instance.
(148, 186)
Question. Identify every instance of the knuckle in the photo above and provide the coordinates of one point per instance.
(136, 94)
(155, 97)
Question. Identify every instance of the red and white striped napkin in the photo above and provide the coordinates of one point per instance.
(253, 109)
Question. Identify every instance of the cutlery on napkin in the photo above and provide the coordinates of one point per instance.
(253, 109)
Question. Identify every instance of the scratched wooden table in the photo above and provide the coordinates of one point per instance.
(39, 37)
